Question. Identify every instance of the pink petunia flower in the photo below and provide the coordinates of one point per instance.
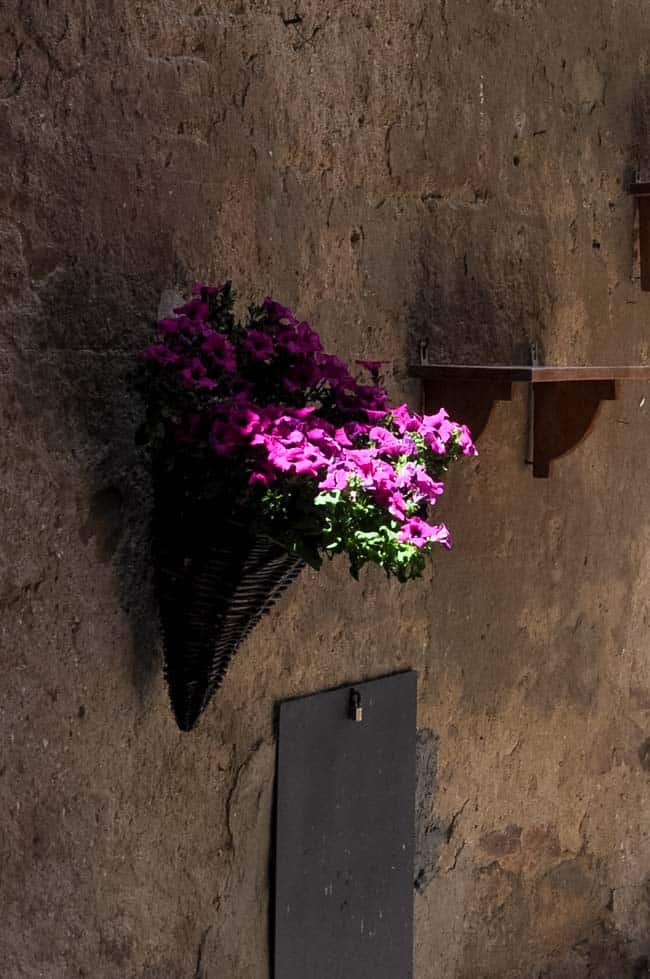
(420, 533)
(243, 416)
(405, 420)
(397, 506)
(262, 477)
(466, 443)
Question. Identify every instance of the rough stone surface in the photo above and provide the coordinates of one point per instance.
(394, 170)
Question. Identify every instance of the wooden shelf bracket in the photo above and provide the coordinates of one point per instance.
(565, 400)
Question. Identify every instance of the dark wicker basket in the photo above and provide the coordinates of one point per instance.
(215, 580)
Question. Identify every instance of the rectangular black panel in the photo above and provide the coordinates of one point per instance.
(345, 828)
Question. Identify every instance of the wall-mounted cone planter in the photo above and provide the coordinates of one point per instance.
(215, 580)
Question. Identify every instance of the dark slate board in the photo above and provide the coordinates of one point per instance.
(344, 834)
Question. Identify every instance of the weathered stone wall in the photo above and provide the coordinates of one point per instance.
(393, 169)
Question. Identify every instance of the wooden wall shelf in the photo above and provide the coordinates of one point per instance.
(565, 400)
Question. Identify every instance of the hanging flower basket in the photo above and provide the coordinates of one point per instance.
(268, 454)
(216, 578)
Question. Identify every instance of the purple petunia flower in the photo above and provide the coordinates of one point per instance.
(195, 309)
(221, 351)
(336, 478)
(306, 459)
(160, 354)
(405, 420)
(389, 444)
(195, 375)
(397, 506)
(420, 533)
(170, 326)
(326, 432)
(356, 430)
(301, 341)
(225, 439)
(415, 479)
(262, 477)
(375, 416)
(259, 345)
(332, 369)
(278, 313)
(301, 376)
(466, 443)
(243, 416)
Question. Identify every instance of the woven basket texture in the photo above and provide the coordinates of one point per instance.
(215, 580)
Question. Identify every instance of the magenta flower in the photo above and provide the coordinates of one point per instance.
(466, 443)
(397, 506)
(415, 479)
(306, 459)
(320, 434)
(389, 444)
(276, 452)
(161, 354)
(200, 289)
(435, 442)
(363, 460)
(225, 439)
(170, 326)
(437, 430)
(303, 412)
(333, 369)
(261, 403)
(342, 438)
(195, 309)
(262, 477)
(355, 430)
(221, 351)
(324, 438)
(243, 416)
(301, 341)
(337, 478)
(277, 313)
(176, 328)
(405, 419)
(259, 345)
(347, 403)
(420, 533)
(195, 375)
(375, 416)
(384, 484)
(301, 375)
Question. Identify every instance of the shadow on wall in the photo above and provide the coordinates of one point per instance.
(86, 339)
